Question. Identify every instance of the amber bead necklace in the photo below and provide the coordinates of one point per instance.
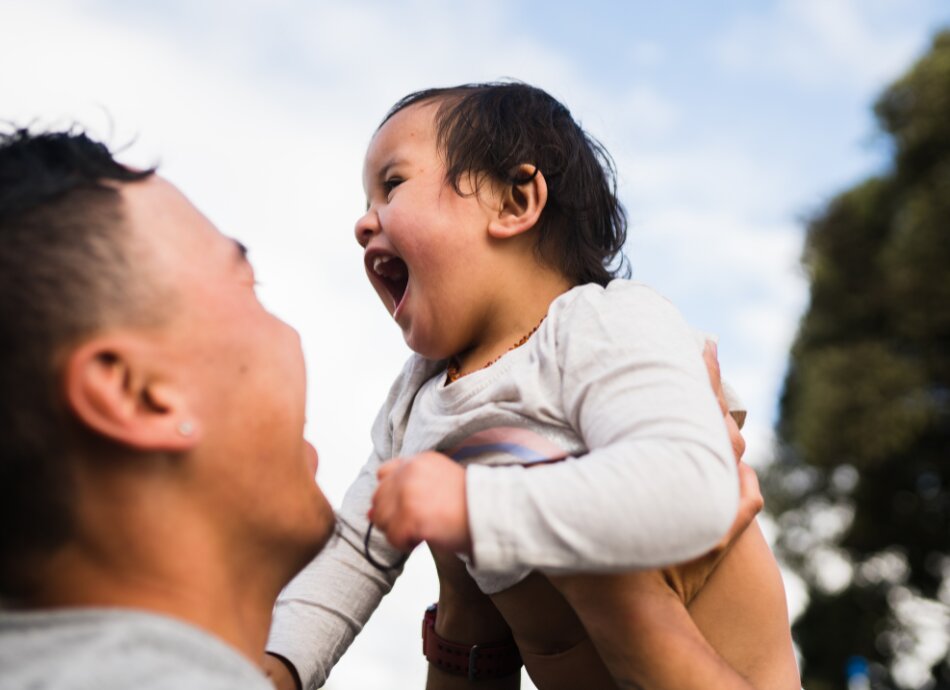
(453, 371)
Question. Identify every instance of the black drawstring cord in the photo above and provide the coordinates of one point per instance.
(381, 567)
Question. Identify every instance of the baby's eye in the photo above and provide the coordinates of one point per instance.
(390, 183)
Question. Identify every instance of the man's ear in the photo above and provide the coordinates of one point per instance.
(112, 390)
(521, 204)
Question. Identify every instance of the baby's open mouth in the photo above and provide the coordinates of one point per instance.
(393, 273)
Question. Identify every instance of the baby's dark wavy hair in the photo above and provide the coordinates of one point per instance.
(493, 129)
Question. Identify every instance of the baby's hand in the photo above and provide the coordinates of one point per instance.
(422, 498)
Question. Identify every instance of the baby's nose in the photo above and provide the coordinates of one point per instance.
(366, 227)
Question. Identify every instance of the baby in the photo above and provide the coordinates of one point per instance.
(492, 235)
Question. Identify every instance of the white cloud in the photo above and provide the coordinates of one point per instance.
(642, 110)
(735, 276)
(844, 44)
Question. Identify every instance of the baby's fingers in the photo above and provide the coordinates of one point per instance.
(388, 467)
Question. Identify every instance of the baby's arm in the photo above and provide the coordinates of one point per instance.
(659, 486)
(424, 498)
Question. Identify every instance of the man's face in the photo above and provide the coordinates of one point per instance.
(241, 371)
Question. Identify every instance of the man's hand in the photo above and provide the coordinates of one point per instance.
(750, 497)
(711, 358)
(279, 673)
(422, 498)
(687, 579)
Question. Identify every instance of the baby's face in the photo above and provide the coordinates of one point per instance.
(427, 248)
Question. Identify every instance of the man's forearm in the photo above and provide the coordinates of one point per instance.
(670, 654)
(644, 634)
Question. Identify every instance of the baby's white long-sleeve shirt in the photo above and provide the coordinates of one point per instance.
(615, 378)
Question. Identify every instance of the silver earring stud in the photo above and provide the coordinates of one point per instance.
(186, 428)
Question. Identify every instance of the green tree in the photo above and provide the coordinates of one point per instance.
(861, 485)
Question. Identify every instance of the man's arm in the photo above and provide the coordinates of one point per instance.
(688, 578)
(322, 610)
(280, 672)
(326, 606)
(661, 648)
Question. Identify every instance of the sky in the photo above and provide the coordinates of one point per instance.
(731, 123)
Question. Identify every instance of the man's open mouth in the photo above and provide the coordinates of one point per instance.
(392, 273)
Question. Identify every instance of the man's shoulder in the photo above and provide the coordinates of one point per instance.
(105, 649)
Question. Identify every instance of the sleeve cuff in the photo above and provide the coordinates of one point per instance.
(292, 648)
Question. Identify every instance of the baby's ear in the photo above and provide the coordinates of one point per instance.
(521, 203)
(113, 387)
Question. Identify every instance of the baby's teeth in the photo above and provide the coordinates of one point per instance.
(379, 261)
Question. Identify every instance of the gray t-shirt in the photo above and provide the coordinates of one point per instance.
(121, 649)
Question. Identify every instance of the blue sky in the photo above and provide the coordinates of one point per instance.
(730, 122)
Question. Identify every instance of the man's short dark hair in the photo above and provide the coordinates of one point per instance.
(64, 274)
(492, 128)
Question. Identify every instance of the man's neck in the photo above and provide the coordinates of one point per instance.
(195, 586)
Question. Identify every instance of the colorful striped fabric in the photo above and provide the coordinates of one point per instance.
(507, 446)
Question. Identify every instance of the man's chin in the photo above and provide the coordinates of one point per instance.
(328, 532)
(318, 538)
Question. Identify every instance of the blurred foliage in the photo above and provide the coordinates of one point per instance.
(861, 485)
